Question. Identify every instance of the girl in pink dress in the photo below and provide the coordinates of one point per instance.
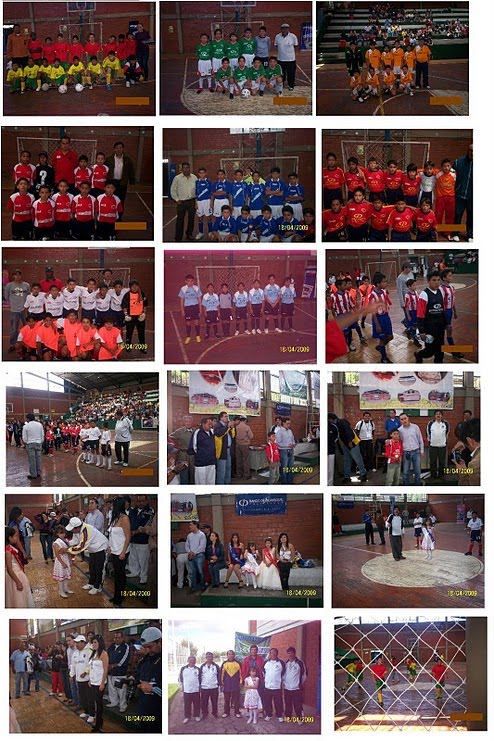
(62, 569)
(252, 699)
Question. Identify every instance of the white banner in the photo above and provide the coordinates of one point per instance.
(183, 508)
(423, 390)
(211, 392)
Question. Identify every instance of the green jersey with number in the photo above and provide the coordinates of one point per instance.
(241, 74)
(232, 51)
(203, 51)
(268, 72)
(248, 46)
(217, 49)
(223, 74)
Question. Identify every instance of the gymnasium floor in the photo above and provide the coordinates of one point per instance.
(68, 470)
(443, 581)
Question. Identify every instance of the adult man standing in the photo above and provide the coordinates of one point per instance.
(286, 41)
(274, 672)
(463, 167)
(183, 192)
(86, 538)
(422, 58)
(437, 432)
(413, 449)
(293, 686)
(195, 547)
(464, 452)
(202, 447)
(243, 438)
(121, 172)
(19, 669)
(15, 293)
(181, 559)
(78, 671)
(394, 523)
(149, 677)
(379, 520)
(50, 280)
(17, 46)
(118, 663)
(181, 437)
(209, 682)
(365, 429)
(190, 684)
(94, 515)
(401, 286)
(33, 436)
(140, 517)
(475, 528)
(64, 162)
(224, 431)
(351, 449)
(369, 530)
(286, 443)
(332, 441)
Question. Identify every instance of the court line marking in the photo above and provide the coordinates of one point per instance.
(232, 337)
(305, 75)
(80, 472)
(180, 343)
(144, 203)
(169, 222)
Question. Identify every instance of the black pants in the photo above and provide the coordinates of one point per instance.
(396, 543)
(462, 205)
(141, 331)
(185, 208)
(422, 72)
(192, 705)
(369, 533)
(367, 450)
(96, 568)
(437, 461)
(143, 61)
(120, 192)
(96, 696)
(289, 69)
(85, 697)
(105, 230)
(380, 530)
(21, 230)
(232, 699)
(293, 703)
(119, 447)
(270, 696)
(46, 540)
(284, 569)
(119, 577)
(83, 230)
(433, 348)
(206, 696)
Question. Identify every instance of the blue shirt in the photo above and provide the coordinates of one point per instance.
(241, 299)
(391, 424)
(285, 228)
(296, 191)
(190, 294)
(225, 225)
(366, 518)
(275, 185)
(256, 295)
(210, 301)
(287, 295)
(19, 659)
(267, 227)
(203, 189)
(221, 185)
(239, 193)
(256, 195)
(245, 226)
(272, 292)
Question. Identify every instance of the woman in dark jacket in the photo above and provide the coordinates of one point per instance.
(134, 305)
(215, 554)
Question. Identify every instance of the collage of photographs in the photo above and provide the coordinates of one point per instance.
(158, 264)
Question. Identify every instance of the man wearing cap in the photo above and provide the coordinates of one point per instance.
(140, 517)
(86, 538)
(50, 281)
(33, 436)
(286, 43)
(79, 670)
(15, 294)
(148, 676)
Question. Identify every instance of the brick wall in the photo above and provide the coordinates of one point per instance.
(193, 24)
(443, 506)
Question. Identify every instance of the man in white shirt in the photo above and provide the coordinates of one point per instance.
(189, 681)
(79, 670)
(365, 429)
(94, 516)
(437, 435)
(394, 523)
(274, 672)
(183, 192)
(33, 436)
(87, 538)
(286, 42)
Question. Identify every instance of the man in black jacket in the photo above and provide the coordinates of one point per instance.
(351, 449)
(121, 172)
(203, 448)
(118, 663)
(353, 59)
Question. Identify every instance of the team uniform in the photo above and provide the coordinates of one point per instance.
(98, 179)
(267, 228)
(22, 170)
(276, 200)
(287, 230)
(31, 76)
(445, 198)
(63, 214)
(88, 303)
(426, 224)
(14, 80)
(475, 527)
(220, 193)
(232, 51)
(112, 339)
(401, 224)
(226, 304)
(246, 230)
(271, 75)
(190, 296)
(86, 341)
(21, 208)
(255, 194)
(411, 303)
(411, 189)
(217, 54)
(54, 305)
(332, 183)
(225, 228)
(378, 226)
(241, 78)
(84, 210)
(248, 50)
(381, 297)
(211, 303)
(256, 300)
(288, 296)
(44, 219)
(334, 225)
(238, 192)
(35, 305)
(82, 175)
(102, 309)
(27, 338)
(204, 65)
(222, 78)
(294, 197)
(71, 300)
(272, 293)
(203, 197)
(116, 311)
(108, 211)
(392, 183)
(241, 302)
(431, 320)
(340, 304)
(358, 215)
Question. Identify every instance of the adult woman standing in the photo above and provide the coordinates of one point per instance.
(17, 587)
(119, 535)
(215, 554)
(123, 433)
(98, 673)
(269, 576)
(285, 553)
(134, 305)
(46, 535)
(142, 38)
(15, 517)
(235, 560)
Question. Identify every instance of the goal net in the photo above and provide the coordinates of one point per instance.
(403, 152)
(236, 26)
(82, 275)
(387, 267)
(263, 164)
(82, 29)
(44, 144)
(229, 274)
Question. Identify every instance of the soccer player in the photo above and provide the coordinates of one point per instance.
(226, 304)
(105, 447)
(257, 78)
(240, 78)
(275, 189)
(84, 209)
(388, 81)
(405, 81)
(223, 76)
(340, 304)
(445, 196)
(475, 527)
(411, 304)
(378, 227)
(121, 48)
(48, 51)
(245, 226)
(63, 210)
(190, 296)
(20, 205)
(379, 671)
(94, 72)
(110, 45)
(93, 437)
(398, 58)
(410, 184)
(91, 47)
(263, 45)
(238, 191)
(117, 293)
(88, 300)
(438, 671)
(224, 228)
(431, 319)
(131, 45)
(35, 303)
(272, 299)
(111, 341)
(82, 173)
(102, 305)
(203, 199)
(220, 193)
(255, 195)
(31, 74)
(25, 346)
(273, 75)
(241, 302)
(44, 74)
(449, 307)
(294, 195)
(358, 212)
(400, 222)
(287, 227)
(133, 72)
(217, 45)
(75, 50)
(356, 86)
(44, 174)
(371, 85)
(47, 339)
(71, 297)
(423, 56)
(266, 225)
(58, 76)
(204, 65)
(44, 215)
(256, 302)
(426, 222)
(382, 329)
(111, 68)
(392, 183)
(69, 326)
(333, 180)
(87, 344)
(24, 169)
(354, 177)
(109, 209)
(287, 304)
(373, 56)
(60, 47)
(248, 47)
(99, 176)
(334, 222)
(15, 79)
(210, 304)
(75, 73)
(232, 50)
(54, 302)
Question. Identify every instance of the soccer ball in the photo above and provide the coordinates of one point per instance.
(245, 93)
(45, 87)
(79, 88)
(62, 89)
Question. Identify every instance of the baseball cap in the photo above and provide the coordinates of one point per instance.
(73, 523)
(285, 25)
(53, 514)
(80, 638)
(149, 635)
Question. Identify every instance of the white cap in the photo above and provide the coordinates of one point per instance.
(73, 523)
(80, 638)
(149, 635)
(53, 514)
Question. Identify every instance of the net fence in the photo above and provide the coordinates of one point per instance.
(404, 152)
(263, 164)
(82, 29)
(387, 267)
(234, 26)
(82, 275)
(229, 274)
(45, 144)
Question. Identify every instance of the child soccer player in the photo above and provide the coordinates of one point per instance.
(44, 215)
(371, 85)
(393, 450)
(445, 197)
(438, 671)
(35, 302)
(388, 81)
(220, 193)
(121, 49)
(475, 528)
(351, 670)
(374, 179)
(392, 183)
(133, 72)
(75, 73)
(449, 307)
(428, 182)
(378, 226)
(105, 447)
(354, 177)
(373, 56)
(334, 221)
(94, 72)
(400, 222)
(255, 195)
(333, 180)
(102, 305)
(75, 50)
(224, 228)
(238, 192)
(58, 76)
(47, 339)
(275, 192)
(82, 173)
(204, 65)
(25, 346)
(410, 184)
(379, 671)
(358, 212)
(232, 50)
(99, 176)
(89, 294)
(131, 44)
(111, 68)
(60, 47)
(273, 458)
(226, 304)
(341, 305)
(426, 222)
(356, 86)
(240, 78)
(87, 343)
(417, 529)
(91, 47)
(248, 47)
(24, 169)
(256, 301)
(431, 319)
(111, 341)
(266, 225)
(308, 221)
(274, 76)
(405, 81)
(287, 305)
(63, 210)
(203, 198)
(294, 195)
(241, 301)
(84, 209)
(354, 303)
(245, 226)
(217, 44)
(31, 74)
(110, 45)
(257, 78)
(15, 79)
(44, 74)
(190, 297)
(109, 209)
(287, 227)
(54, 302)
(272, 298)
(411, 303)
(382, 328)
(210, 304)
(20, 204)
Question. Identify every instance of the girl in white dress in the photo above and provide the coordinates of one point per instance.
(250, 569)
(269, 576)
(17, 587)
(428, 539)
(62, 569)
(252, 700)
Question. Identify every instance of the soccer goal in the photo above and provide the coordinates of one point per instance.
(387, 267)
(82, 29)
(44, 144)
(236, 26)
(403, 152)
(229, 274)
(82, 275)
(263, 164)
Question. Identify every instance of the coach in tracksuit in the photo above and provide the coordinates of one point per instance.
(293, 686)
(189, 681)
(274, 672)
(202, 447)
(118, 662)
(209, 682)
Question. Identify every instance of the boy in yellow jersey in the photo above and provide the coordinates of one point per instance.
(111, 68)
(398, 58)
(76, 72)
(57, 75)
(371, 86)
(386, 57)
(31, 74)
(15, 79)
(405, 81)
(410, 60)
(94, 72)
(388, 81)
(373, 56)
(44, 73)
(356, 87)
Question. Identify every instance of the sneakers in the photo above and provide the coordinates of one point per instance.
(90, 719)
(199, 91)
(352, 348)
(94, 590)
(187, 341)
(259, 331)
(64, 596)
(69, 591)
(237, 333)
(277, 329)
(197, 718)
(266, 331)
(88, 586)
(82, 715)
(199, 235)
(456, 238)
(247, 331)
(127, 83)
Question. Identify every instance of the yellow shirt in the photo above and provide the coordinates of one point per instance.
(31, 72)
(373, 58)
(422, 54)
(355, 81)
(410, 59)
(45, 70)
(75, 68)
(398, 55)
(94, 68)
(57, 72)
(107, 63)
(389, 79)
(387, 58)
(13, 75)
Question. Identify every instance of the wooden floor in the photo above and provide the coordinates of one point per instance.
(350, 588)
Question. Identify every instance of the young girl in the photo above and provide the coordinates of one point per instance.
(17, 587)
(252, 700)
(417, 531)
(428, 539)
(269, 576)
(250, 567)
(62, 570)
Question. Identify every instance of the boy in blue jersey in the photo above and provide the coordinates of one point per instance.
(287, 227)
(226, 303)
(272, 298)
(245, 226)
(203, 197)
(266, 226)
(224, 228)
(294, 196)
(288, 297)
(238, 193)
(275, 192)
(210, 304)
(220, 193)
(241, 302)
(256, 301)
(190, 307)
(255, 194)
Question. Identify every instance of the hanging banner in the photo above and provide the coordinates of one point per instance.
(293, 383)
(309, 286)
(243, 642)
(428, 390)
(183, 508)
(260, 504)
(460, 513)
(282, 410)
(211, 392)
(306, 36)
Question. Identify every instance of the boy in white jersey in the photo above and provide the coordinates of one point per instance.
(102, 305)
(210, 304)
(272, 298)
(54, 302)
(241, 302)
(105, 446)
(35, 302)
(84, 437)
(256, 301)
(116, 293)
(71, 297)
(428, 182)
(94, 434)
(88, 300)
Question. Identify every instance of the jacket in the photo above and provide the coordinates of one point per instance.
(223, 439)
(128, 174)
(140, 518)
(202, 446)
(119, 655)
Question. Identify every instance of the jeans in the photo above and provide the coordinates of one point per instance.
(287, 457)
(66, 683)
(15, 318)
(21, 677)
(27, 545)
(33, 451)
(46, 540)
(195, 569)
(461, 205)
(214, 572)
(34, 677)
(224, 469)
(349, 455)
(411, 459)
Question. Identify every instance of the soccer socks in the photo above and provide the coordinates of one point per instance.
(201, 83)
(197, 330)
(108, 463)
(262, 87)
(359, 331)
(279, 87)
(290, 323)
(201, 227)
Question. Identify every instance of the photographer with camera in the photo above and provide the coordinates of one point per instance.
(118, 657)
(148, 678)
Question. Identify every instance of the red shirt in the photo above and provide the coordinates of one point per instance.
(121, 50)
(358, 213)
(393, 450)
(272, 452)
(48, 336)
(393, 182)
(379, 670)
(75, 50)
(64, 165)
(91, 49)
(60, 49)
(50, 53)
(378, 219)
(84, 209)
(35, 49)
(100, 175)
(21, 207)
(109, 207)
(425, 222)
(438, 671)
(374, 180)
(109, 47)
(354, 180)
(44, 213)
(332, 179)
(82, 175)
(340, 303)
(410, 187)
(335, 342)
(63, 206)
(24, 171)
(131, 46)
(332, 222)
(401, 221)
(47, 284)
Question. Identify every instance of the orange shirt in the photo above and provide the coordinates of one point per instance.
(70, 333)
(422, 54)
(373, 58)
(398, 56)
(86, 339)
(387, 58)
(355, 81)
(410, 59)
(136, 304)
(112, 338)
(445, 183)
(389, 79)
(27, 335)
(365, 292)
(48, 336)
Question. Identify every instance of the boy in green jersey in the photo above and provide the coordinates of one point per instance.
(240, 78)
(248, 47)
(223, 75)
(274, 76)
(217, 49)
(204, 65)
(257, 78)
(232, 50)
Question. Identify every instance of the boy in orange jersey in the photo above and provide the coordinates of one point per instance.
(25, 346)
(373, 56)
(111, 342)
(388, 81)
(405, 81)
(358, 215)
(398, 58)
(423, 56)
(445, 195)
(426, 222)
(87, 340)
(365, 290)
(68, 343)
(333, 180)
(392, 182)
(371, 85)
(374, 179)
(410, 60)
(410, 185)
(356, 85)
(354, 177)
(400, 222)
(386, 57)
(378, 226)
(47, 339)
(334, 222)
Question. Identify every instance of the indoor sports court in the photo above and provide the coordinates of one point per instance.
(136, 185)
(296, 344)
(445, 29)
(76, 398)
(181, 29)
(40, 20)
(451, 578)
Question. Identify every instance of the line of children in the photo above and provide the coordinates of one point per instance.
(85, 438)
